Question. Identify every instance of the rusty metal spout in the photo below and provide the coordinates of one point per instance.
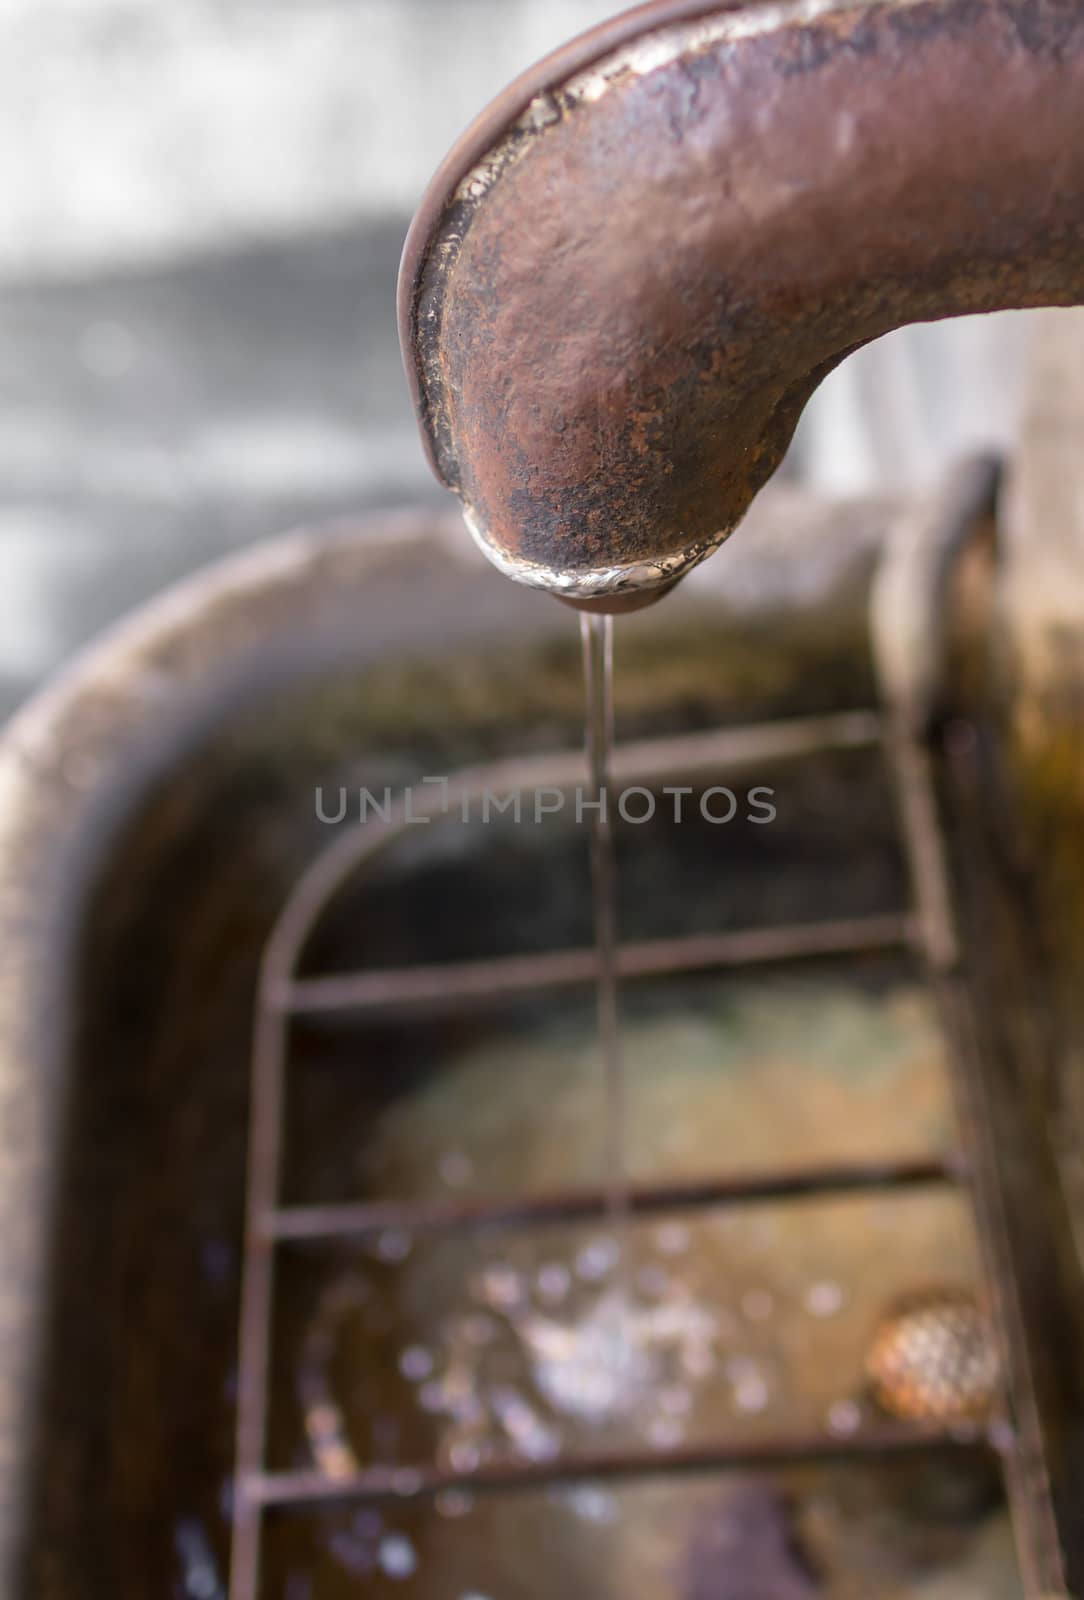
(632, 272)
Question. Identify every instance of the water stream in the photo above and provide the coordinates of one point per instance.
(597, 635)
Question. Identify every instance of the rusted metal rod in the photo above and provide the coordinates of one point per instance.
(454, 984)
(910, 630)
(362, 1218)
(283, 1489)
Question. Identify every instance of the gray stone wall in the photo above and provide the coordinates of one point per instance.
(136, 130)
(202, 204)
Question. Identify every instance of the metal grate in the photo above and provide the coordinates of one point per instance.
(925, 928)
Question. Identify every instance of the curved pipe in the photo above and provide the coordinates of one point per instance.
(633, 271)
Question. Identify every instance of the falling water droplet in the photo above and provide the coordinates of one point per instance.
(597, 638)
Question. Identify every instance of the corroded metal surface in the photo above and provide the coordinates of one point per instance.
(628, 279)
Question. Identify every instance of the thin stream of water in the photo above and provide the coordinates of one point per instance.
(597, 635)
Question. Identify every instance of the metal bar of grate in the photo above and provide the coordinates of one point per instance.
(355, 1221)
(455, 984)
(782, 740)
(291, 1489)
(910, 605)
(257, 1301)
(1026, 1478)
(714, 750)
(719, 749)
(928, 928)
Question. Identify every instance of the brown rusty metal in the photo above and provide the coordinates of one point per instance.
(913, 584)
(379, 1483)
(629, 277)
(457, 986)
(364, 1218)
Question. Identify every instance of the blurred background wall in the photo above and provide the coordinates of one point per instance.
(202, 204)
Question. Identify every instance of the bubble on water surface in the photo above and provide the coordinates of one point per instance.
(456, 1169)
(844, 1418)
(553, 1282)
(396, 1556)
(757, 1305)
(597, 1259)
(824, 1299)
(751, 1394)
(665, 1433)
(415, 1363)
(591, 1504)
(501, 1286)
(675, 1401)
(672, 1239)
(454, 1503)
(653, 1279)
(393, 1245)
